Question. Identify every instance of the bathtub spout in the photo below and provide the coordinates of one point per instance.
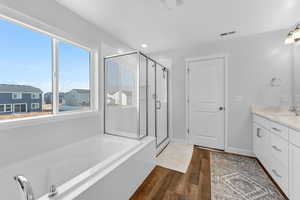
(25, 188)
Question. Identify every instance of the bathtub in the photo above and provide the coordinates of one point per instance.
(102, 167)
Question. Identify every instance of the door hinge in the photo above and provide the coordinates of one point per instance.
(188, 100)
(188, 131)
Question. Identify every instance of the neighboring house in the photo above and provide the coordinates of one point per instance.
(48, 96)
(77, 97)
(20, 98)
(120, 98)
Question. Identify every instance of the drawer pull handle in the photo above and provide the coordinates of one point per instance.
(258, 132)
(276, 173)
(276, 148)
(276, 129)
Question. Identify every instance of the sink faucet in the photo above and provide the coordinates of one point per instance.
(295, 109)
(25, 188)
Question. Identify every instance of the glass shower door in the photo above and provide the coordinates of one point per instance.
(122, 96)
(161, 104)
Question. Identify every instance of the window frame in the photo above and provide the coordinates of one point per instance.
(4, 108)
(11, 107)
(35, 95)
(20, 104)
(55, 77)
(93, 77)
(35, 106)
(19, 95)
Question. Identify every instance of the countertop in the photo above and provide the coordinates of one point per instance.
(279, 115)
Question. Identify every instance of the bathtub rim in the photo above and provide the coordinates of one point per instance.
(82, 182)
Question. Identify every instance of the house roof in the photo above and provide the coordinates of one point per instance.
(18, 88)
(82, 91)
(50, 93)
(128, 93)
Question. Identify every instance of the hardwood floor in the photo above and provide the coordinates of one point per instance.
(166, 184)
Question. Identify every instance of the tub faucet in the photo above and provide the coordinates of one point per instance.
(25, 188)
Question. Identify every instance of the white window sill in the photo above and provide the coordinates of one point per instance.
(31, 121)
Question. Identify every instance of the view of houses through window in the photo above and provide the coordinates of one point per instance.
(73, 77)
(121, 82)
(26, 74)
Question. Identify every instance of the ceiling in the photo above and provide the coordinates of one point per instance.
(195, 21)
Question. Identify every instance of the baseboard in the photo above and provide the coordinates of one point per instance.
(243, 152)
(161, 147)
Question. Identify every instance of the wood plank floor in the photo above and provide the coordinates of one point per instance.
(166, 184)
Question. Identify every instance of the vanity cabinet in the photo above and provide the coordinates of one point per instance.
(278, 149)
(294, 164)
(294, 172)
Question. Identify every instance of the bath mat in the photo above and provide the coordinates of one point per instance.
(240, 178)
(176, 157)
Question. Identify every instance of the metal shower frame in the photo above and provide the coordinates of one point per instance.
(139, 54)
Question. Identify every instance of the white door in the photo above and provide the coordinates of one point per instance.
(205, 102)
(161, 105)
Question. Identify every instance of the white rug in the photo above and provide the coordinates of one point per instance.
(176, 157)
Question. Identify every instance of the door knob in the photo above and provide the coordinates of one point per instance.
(221, 108)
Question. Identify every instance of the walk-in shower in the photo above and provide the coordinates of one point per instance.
(136, 97)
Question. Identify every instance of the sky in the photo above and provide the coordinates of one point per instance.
(119, 77)
(25, 59)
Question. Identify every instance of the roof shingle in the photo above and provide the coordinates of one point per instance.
(18, 88)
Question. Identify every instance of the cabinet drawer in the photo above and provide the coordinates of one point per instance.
(294, 137)
(280, 130)
(280, 174)
(261, 121)
(279, 148)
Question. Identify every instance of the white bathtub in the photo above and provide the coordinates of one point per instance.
(102, 167)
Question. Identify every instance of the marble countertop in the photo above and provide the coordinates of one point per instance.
(280, 115)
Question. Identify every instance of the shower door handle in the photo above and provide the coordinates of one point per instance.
(158, 105)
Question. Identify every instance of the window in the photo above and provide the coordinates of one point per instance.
(8, 108)
(35, 95)
(74, 74)
(26, 77)
(17, 95)
(35, 106)
(26, 65)
(2, 108)
(5, 108)
(18, 108)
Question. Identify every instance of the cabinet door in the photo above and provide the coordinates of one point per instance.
(261, 144)
(257, 140)
(294, 172)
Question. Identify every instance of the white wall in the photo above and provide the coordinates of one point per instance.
(19, 143)
(50, 16)
(296, 72)
(252, 62)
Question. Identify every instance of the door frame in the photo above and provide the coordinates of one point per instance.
(211, 57)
